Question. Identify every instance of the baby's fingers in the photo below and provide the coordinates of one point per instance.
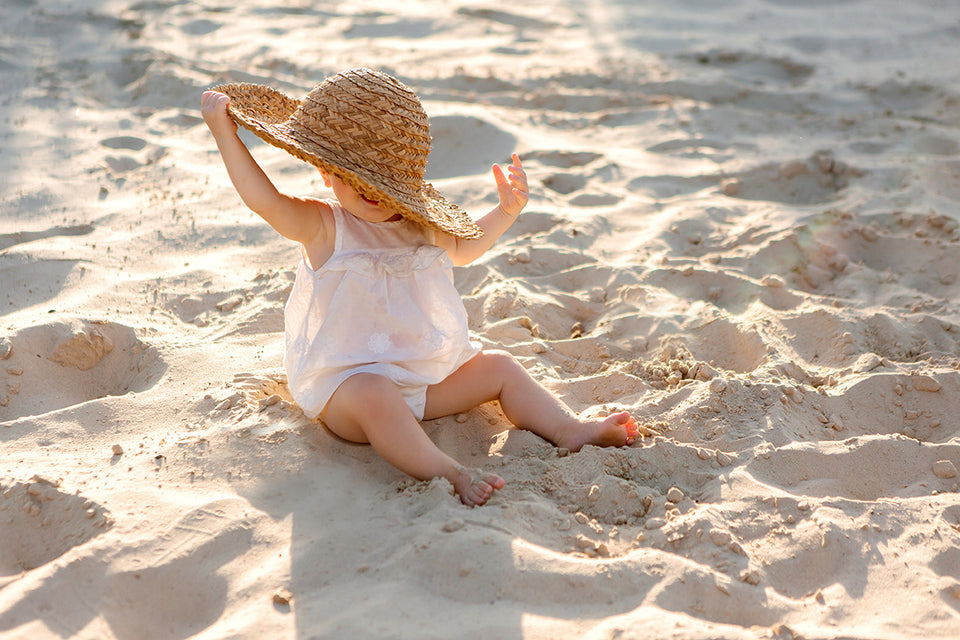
(516, 169)
(213, 100)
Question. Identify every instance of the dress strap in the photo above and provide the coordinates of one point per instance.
(339, 226)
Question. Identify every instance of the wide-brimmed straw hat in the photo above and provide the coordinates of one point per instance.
(366, 128)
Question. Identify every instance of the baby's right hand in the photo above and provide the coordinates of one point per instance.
(213, 108)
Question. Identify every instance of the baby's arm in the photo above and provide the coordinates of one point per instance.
(514, 194)
(294, 218)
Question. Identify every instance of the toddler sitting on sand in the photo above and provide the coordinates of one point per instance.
(376, 333)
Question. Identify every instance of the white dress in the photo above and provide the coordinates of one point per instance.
(383, 303)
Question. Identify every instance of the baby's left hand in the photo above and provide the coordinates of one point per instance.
(513, 191)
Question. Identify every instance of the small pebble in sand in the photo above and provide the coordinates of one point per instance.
(6, 348)
(577, 330)
(282, 597)
(925, 383)
(750, 577)
(730, 186)
(719, 537)
(453, 525)
(229, 304)
(944, 469)
(584, 542)
(774, 282)
(867, 363)
(269, 401)
(117, 450)
(674, 495)
(701, 371)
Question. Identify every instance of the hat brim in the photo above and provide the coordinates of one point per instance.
(266, 112)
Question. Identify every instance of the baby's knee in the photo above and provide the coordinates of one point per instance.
(502, 362)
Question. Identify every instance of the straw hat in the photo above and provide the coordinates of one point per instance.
(366, 128)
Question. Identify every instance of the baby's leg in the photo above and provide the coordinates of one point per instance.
(496, 375)
(370, 408)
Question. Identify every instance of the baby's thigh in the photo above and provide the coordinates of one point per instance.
(362, 401)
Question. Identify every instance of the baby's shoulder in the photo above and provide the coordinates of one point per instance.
(327, 229)
(324, 206)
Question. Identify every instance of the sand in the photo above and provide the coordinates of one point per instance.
(743, 229)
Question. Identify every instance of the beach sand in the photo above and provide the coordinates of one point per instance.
(742, 228)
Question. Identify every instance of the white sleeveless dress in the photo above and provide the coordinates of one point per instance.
(383, 303)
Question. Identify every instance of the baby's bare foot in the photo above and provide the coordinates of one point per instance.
(616, 430)
(475, 487)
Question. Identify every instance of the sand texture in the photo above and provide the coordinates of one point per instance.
(743, 228)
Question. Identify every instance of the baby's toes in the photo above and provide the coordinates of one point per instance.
(476, 494)
(479, 491)
(495, 481)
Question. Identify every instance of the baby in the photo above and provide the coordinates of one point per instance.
(376, 334)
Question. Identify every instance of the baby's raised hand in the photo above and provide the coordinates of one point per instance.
(213, 108)
(513, 190)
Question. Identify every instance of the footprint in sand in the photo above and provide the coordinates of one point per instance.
(841, 469)
(130, 143)
(753, 68)
(817, 179)
(134, 159)
(575, 181)
(378, 25)
(200, 27)
(504, 17)
(60, 364)
(562, 159)
(466, 145)
(565, 183)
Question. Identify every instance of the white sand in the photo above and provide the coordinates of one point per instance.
(750, 207)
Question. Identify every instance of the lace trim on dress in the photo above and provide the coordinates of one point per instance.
(402, 262)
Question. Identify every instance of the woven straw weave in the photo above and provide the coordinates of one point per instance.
(363, 126)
